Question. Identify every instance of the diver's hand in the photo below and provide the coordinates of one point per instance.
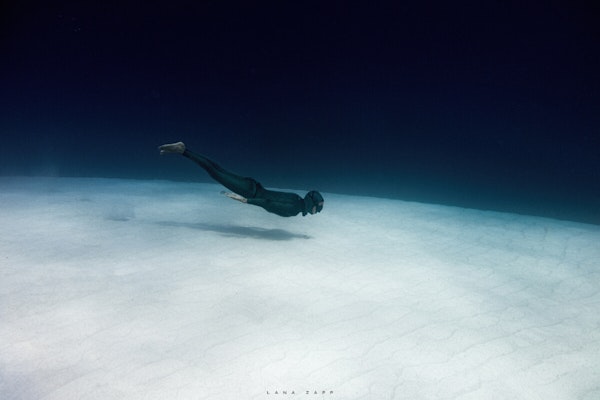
(235, 196)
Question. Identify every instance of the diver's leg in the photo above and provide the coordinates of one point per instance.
(245, 187)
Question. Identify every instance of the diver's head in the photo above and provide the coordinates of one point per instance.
(313, 202)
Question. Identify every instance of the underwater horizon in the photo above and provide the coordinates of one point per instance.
(555, 197)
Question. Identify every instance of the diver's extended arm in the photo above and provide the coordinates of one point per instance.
(235, 196)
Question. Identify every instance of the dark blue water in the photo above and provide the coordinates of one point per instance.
(487, 106)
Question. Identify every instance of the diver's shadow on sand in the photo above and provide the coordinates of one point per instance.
(240, 231)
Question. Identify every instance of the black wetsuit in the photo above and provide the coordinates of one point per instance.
(280, 203)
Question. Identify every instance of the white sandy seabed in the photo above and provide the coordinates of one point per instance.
(115, 289)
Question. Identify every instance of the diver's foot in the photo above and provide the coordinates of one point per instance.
(175, 148)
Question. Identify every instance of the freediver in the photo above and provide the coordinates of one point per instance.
(248, 190)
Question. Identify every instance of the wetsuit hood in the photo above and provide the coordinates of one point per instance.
(313, 199)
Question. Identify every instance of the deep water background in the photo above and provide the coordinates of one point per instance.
(483, 105)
